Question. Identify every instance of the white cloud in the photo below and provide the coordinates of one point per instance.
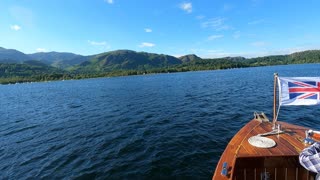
(186, 7)
(15, 27)
(148, 30)
(213, 37)
(217, 24)
(41, 50)
(258, 44)
(95, 43)
(109, 1)
(146, 44)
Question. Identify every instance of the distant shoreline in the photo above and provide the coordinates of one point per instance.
(25, 80)
(127, 63)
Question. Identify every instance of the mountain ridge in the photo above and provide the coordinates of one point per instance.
(189, 57)
(16, 66)
(12, 56)
(59, 59)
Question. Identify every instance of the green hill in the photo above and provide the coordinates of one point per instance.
(61, 60)
(12, 56)
(127, 60)
(16, 66)
(29, 71)
(189, 58)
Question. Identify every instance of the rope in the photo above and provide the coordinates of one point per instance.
(273, 132)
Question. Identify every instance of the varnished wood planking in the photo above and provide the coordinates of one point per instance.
(282, 143)
(231, 150)
(288, 144)
(229, 155)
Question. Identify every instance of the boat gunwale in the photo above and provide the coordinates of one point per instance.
(289, 144)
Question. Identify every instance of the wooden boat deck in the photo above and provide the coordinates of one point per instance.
(245, 161)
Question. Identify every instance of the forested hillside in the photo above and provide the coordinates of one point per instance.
(126, 62)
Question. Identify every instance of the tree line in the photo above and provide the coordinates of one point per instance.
(18, 73)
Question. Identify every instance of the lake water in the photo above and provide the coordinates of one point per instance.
(161, 126)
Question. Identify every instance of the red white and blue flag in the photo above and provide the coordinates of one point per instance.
(299, 91)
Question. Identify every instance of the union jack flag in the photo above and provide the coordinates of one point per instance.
(299, 90)
(304, 90)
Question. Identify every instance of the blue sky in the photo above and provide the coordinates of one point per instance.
(208, 28)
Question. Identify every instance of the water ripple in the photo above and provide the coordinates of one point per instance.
(140, 127)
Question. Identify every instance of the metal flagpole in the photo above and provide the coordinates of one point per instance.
(275, 98)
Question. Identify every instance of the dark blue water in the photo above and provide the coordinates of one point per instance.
(160, 126)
